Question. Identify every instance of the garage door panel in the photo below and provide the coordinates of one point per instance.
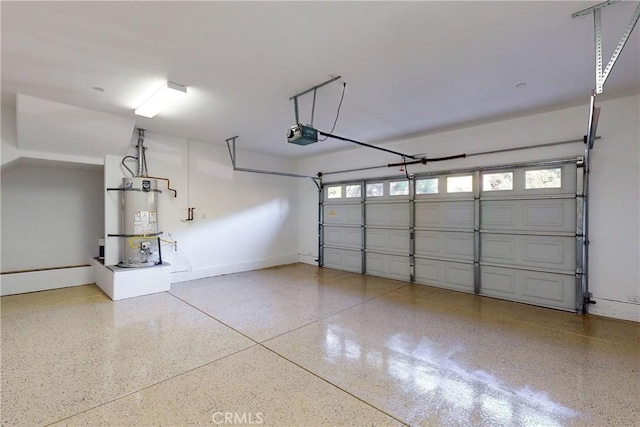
(556, 215)
(549, 215)
(429, 215)
(498, 281)
(554, 252)
(388, 214)
(498, 215)
(444, 274)
(460, 214)
(449, 215)
(342, 214)
(343, 237)
(389, 266)
(546, 289)
(442, 244)
(498, 248)
(341, 259)
(388, 241)
(541, 252)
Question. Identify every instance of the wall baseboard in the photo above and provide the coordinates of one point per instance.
(184, 276)
(615, 309)
(44, 280)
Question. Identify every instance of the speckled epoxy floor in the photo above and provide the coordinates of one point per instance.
(298, 345)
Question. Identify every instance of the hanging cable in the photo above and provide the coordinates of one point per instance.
(144, 161)
(127, 167)
(344, 86)
(406, 169)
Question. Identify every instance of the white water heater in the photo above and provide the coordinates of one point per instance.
(140, 222)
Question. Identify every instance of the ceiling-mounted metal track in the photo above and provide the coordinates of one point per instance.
(601, 75)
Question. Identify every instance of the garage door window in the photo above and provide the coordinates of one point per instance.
(334, 192)
(460, 184)
(353, 191)
(497, 181)
(399, 188)
(543, 178)
(375, 190)
(427, 186)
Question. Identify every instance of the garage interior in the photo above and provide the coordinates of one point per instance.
(382, 213)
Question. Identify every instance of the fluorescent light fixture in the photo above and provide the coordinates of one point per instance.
(166, 95)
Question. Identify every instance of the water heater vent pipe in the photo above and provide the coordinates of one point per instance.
(140, 153)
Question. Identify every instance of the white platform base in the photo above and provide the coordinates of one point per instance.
(34, 281)
(120, 283)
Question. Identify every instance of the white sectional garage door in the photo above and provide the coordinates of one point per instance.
(528, 235)
(508, 232)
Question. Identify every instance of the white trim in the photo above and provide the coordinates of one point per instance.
(183, 276)
(43, 280)
(615, 309)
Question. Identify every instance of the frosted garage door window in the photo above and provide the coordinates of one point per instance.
(497, 181)
(375, 190)
(460, 184)
(399, 188)
(334, 192)
(543, 178)
(427, 186)
(353, 191)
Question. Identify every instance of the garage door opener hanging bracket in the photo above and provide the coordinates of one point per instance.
(601, 75)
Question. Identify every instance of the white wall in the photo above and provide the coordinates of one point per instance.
(52, 214)
(242, 221)
(614, 194)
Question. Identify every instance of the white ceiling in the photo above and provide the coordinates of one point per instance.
(411, 67)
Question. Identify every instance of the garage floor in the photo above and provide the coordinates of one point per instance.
(298, 345)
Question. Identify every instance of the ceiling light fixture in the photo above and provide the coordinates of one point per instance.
(167, 94)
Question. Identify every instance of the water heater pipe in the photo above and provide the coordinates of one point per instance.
(140, 153)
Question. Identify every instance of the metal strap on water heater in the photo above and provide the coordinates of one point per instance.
(136, 235)
(134, 189)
